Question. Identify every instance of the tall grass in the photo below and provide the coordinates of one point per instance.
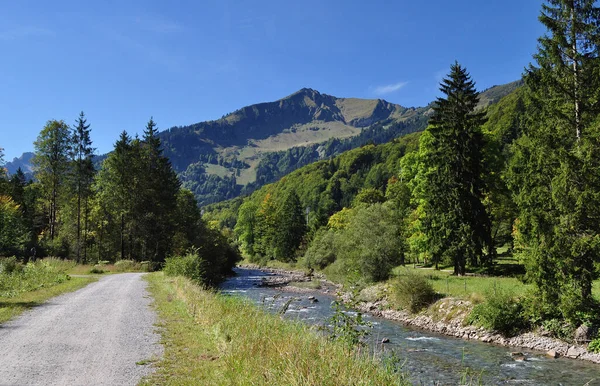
(17, 278)
(213, 339)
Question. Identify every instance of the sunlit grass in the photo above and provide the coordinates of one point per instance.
(14, 306)
(213, 339)
(465, 287)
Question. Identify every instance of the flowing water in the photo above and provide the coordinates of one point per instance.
(428, 358)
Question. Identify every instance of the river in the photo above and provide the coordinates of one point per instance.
(429, 359)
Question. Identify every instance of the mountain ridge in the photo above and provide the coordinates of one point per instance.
(256, 144)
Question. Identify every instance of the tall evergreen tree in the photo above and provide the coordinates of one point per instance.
(290, 229)
(82, 178)
(158, 197)
(555, 167)
(113, 186)
(51, 163)
(456, 223)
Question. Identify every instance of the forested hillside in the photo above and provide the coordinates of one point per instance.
(520, 176)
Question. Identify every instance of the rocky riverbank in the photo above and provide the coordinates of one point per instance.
(446, 316)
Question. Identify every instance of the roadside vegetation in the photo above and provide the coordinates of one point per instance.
(23, 286)
(222, 340)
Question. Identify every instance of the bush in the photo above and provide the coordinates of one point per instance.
(190, 265)
(127, 266)
(594, 346)
(413, 292)
(28, 277)
(321, 251)
(501, 312)
(9, 265)
(97, 269)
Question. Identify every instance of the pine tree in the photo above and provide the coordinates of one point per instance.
(82, 177)
(51, 162)
(555, 168)
(113, 187)
(456, 223)
(158, 190)
(290, 228)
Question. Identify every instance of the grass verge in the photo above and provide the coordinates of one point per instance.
(213, 339)
(11, 307)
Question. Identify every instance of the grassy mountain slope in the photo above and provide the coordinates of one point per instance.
(258, 144)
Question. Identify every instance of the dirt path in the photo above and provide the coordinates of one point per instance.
(94, 336)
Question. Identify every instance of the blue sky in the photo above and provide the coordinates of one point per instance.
(184, 62)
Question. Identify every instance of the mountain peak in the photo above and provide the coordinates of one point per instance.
(304, 91)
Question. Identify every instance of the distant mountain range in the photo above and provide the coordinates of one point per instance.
(258, 144)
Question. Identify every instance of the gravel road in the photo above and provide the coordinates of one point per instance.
(93, 336)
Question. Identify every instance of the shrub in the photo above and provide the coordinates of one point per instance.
(560, 329)
(127, 265)
(321, 251)
(594, 346)
(501, 312)
(412, 292)
(9, 265)
(97, 269)
(191, 265)
(28, 277)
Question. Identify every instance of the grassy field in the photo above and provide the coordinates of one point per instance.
(213, 339)
(26, 286)
(467, 287)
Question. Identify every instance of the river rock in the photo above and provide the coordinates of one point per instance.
(583, 334)
(552, 354)
(575, 352)
(385, 340)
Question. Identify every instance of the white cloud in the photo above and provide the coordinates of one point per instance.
(389, 88)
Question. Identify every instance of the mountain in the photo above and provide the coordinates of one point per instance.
(223, 158)
(23, 162)
(258, 144)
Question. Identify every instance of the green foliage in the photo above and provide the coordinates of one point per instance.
(17, 278)
(450, 184)
(321, 251)
(190, 265)
(345, 326)
(51, 165)
(560, 329)
(290, 228)
(412, 292)
(594, 346)
(501, 311)
(554, 167)
(369, 196)
(13, 231)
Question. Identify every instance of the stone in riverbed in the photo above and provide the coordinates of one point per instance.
(517, 356)
(385, 340)
(552, 354)
(575, 352)
(583, 334)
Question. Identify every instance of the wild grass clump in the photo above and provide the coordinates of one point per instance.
(127, 266)
(501, 311)
(222, 340)
(412, 292)
(17, 277)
